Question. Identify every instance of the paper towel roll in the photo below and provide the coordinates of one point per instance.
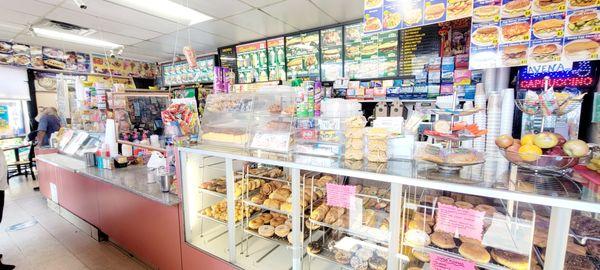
(110, 137)
(508, 109)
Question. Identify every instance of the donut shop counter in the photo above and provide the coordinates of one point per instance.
(307, 212)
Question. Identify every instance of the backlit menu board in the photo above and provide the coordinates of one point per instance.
(417, 45)
(227, 58)
(302, 55)
(370, 56)
(331, 54)
(276, 49)
(540, 34)
(181, 73)
(252, 62)
(386, 15)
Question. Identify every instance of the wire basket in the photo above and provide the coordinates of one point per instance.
(540, 163)
(535, 107)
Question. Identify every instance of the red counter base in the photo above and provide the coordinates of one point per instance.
(147, 229)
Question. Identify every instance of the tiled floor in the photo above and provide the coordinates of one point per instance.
(52, 243)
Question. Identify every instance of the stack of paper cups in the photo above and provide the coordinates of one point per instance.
(508, 109)
(154, 141)
(469, 120)
(480, 118)
(494, 115)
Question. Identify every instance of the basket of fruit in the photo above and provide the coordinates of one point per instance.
(545, 151)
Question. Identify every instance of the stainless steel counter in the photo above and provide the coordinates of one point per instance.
(132, 179)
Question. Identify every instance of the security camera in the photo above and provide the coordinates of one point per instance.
(111, 54)
(80, 4)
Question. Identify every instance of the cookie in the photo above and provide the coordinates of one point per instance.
(443, 240)
(511, 260)
(474, 252)
(282, 230)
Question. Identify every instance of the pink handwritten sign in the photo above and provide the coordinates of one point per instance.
(340, 195)
(466, 222)
(440, 262)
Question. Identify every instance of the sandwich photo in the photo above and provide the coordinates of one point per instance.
(294, 64)
(372, 24)
(369, 50)
(583, 22)
(459, 8)
(573, 4)
(515, 8)
(293, 41)
(352, 52)
(413, 17)
(515, 32)
(434, 11)
(391, 19)
(581, 49)
(6, 59)
(388, 47)
(373, 3)
(544, 53)
(514, 55)
(546, 6)
(548, 28)
(484, 36)
(331, 55)
(54, 63)
(485, 13)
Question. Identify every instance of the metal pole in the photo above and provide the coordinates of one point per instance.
(558, 235)
(229, 183)
(395, 202)
(297, 234)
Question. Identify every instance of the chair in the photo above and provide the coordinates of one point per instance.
(23, 167)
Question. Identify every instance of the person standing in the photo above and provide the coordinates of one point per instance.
(48, 124)
(3, 186)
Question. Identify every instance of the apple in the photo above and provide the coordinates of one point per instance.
(512, 152)
(561, 139)
(556, 151)
(504, 141)
(576, 148)
(545, 140)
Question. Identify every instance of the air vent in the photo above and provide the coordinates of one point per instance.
(65, 27)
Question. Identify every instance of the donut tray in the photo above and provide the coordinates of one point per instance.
(328, 255)
(453, 253)
(372, 233)
(222, 222)
(283, 241)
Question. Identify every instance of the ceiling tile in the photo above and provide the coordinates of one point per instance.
(261, 3)
(85, 20)
(28, 6)
(17, 17)
(109, 11)
(6, 35)
(53, 2)
(203, 37)
(228, 30)
(261, 22)
(301, 14)
(353, 9)
(219, 8)
(12, 27)
(123, 40)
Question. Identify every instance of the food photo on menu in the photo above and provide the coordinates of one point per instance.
(514, 30)
(412, 13)
(547, 6)
(392, 15)
(435, 11)
(551, 26)
(459, 9)
(514, 54)
(486, 11)
(516, 8)
(583, 22)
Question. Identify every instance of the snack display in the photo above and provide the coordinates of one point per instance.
(354, 138)
(218, 211)
(377, 145)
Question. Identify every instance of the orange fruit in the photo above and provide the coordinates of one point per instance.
(528, 139)
(529, 152)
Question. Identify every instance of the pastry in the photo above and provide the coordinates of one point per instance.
(266, 217)
(266, 230)
(463, 205)
(314, 247)
(276, 221)
(445, 200)
(443, 240)
(419, 224)
(280, 194)
(271, 203)
(511, 260)
(319, 213)
(357, 263)
(342, 256)
(576, 249)
(377, 263)
(417, 237)
(575, 262)
(593, 248)
(282, 230)
(311, 226)
(266, 189)
(474, 252)
(258, 199)
(420, 255)
(465, 239)
(286, 206)
(488, 209)
(256, 223)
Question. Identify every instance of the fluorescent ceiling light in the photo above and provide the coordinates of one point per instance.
(165, 9)
(47, 33)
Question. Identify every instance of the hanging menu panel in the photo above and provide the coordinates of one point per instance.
(302, 55)
(370, 56)
(352, 56)
(417, 45)
(276, 50)
(227, 58)
(252, 62)
(331, 48)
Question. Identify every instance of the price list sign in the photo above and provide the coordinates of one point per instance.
(417, 45)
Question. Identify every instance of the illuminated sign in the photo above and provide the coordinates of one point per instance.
(580, 75)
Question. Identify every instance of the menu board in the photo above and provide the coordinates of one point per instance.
(417, 46)
(331, 54)
(302, 55)
(386, 15)
(227, 58)
(535, 33)
(252, 62)
(76, 61)
(122, 67)
(181, 73)
(53, 58)
(276, 49)
(370, 56)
